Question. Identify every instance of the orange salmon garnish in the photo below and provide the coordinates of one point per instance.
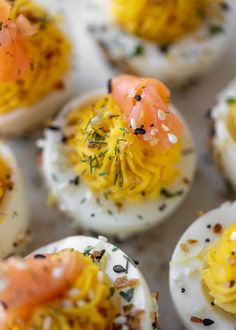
(27, 283)
(14, 61)
(145, 104)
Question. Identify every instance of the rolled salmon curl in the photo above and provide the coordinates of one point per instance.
(14, 61)
(145, 104)
(27, 283)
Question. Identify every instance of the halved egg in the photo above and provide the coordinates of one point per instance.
(203, 271)
(174, 41)
(38, 64)
(14, 210)
(77, 283)
(120, 162)
(223, 140)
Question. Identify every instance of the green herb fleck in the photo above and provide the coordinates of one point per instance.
(230, 101)
(138, 51)
(87, 250)
(170, 194)
(112, 292)
(215, 29)
(128, 294)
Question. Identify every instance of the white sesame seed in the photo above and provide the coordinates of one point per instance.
(47, 322)
(102, 238)
(107, 114)
(233, 236)
(73, 292)
(154, 141)
(125, 327)
(21, 265)
(57, 272)
(3, 284)
(80, 303)
(95, 120)
(120, 319)
(161, 114)
(100, 276)
(172, 138)
(67, 303)
(90, 294)
(40, 143)
(165, 128)
(133, 123)
(154, 131)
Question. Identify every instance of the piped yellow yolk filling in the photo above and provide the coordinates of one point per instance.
(5, 175)
(111, 159)
(49, 53)
(232, 120)
(219, 274)
(88, 305)
(161, 21)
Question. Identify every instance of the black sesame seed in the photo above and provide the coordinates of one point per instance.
(75, 181)
(54, 128)
(39, 256)
(164, 48)
(92, 215)
(140, 131)
(109, 86)
(225, 6)
(207, 322)
(162, 207)
(183, 290)
(138, 97)
(118, 269)
(136, 262)
(208, 226)
(207, 240)
(212, 303)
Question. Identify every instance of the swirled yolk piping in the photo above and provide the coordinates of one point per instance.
(112, 159)
(219, 273)
(161, 21)
(65, 290)
(34, 57)
(5, 178)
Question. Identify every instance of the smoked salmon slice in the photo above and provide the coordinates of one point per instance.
(14, 61)
(27, 283)
(145, 104)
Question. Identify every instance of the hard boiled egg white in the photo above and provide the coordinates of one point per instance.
(25, 119)
(94, 212)
(142, 298)
(186, 59)
(14, 210)
(187, 262)
(223, 143)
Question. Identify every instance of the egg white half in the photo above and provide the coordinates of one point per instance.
(186, 59)
(25, 119)
(224, 145)
(142, 298)
(93, 211)
(185, 269)
(14, 209)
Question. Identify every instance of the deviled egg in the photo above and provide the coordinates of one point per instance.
(119, 162)
(77, 283)
(36, 74)
(14, 211)
(176, 41)
(223, 141)
(203, 271)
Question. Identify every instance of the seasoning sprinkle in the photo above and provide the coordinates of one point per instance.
(119, 269)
